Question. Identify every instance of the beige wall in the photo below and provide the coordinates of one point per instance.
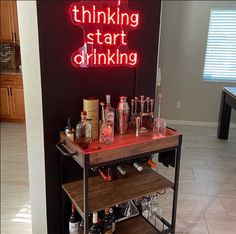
(28, 28)
(182, 52)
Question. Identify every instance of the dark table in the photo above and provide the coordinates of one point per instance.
(228, 101)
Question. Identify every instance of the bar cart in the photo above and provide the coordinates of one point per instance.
(91, 194)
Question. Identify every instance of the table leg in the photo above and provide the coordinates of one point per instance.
(224, 118)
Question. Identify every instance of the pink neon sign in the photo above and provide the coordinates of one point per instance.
(106, 25)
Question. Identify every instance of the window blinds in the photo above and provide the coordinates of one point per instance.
(220, 60)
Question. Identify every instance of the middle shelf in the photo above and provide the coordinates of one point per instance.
(104, 194)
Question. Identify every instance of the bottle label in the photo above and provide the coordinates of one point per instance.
(73, 228)
(110, 116)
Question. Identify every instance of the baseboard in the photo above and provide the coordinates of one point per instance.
(196, 123)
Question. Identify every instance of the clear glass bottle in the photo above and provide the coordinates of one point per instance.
(83, 134)
(107, 123)
(109, 110)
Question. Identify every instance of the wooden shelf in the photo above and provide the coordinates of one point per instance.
(135, 225)
(123, 147)
(107, 194)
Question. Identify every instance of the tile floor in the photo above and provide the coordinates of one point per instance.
(207, 191)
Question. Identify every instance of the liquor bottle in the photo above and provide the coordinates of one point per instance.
(73, 222)
(107, 221)
(83, 131)
(109, 110)
(107, 124)
(68, 126)
(95, 228)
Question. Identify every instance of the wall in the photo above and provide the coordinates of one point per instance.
(183, 43)
(28, 28)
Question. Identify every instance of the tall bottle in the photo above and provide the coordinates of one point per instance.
(113, 219)
(107, 222)
(123, 115)
(83, 131)
(74, 221)
(109, 110)
(68, 126)
(95, 228)
(81, 227)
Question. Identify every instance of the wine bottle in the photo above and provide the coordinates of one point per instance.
(95, 228)
(105, 173)
(74, 221)
(137, 165)
(81, 227)
(121, 170)
(107, 221)
(113, 219)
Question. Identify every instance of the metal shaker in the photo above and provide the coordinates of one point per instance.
(122, 112)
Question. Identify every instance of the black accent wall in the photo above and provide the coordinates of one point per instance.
(64, 87)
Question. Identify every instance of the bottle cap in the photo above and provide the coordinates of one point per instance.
(108, 98)
(123, 98)
(107, 211)
(83, 113)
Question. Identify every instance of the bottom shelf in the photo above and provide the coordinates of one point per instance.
(135, 225)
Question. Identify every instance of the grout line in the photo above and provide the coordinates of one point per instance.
(206, 223)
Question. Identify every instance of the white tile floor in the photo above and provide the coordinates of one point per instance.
(207, 192)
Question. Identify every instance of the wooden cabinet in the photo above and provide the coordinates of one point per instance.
(9, 24)
(91, 193)
(12, 98)
(5, 102)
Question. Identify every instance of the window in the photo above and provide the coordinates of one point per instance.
(220, 60)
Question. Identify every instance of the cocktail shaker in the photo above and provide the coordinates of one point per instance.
(122, 112)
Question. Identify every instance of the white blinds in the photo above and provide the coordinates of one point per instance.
(220, 60)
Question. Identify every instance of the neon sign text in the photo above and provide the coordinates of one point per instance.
(81, 14)
(107, 38)
(106, 25)
(109, 58)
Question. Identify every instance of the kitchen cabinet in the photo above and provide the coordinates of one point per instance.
(12, 98)
(9, 32)
(90, 193)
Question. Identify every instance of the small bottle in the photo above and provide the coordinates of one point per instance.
(95, 228)
(73, 222)
(83, 131)
(68, 126)
(107, 221)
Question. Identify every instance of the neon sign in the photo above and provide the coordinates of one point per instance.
(106, 25)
